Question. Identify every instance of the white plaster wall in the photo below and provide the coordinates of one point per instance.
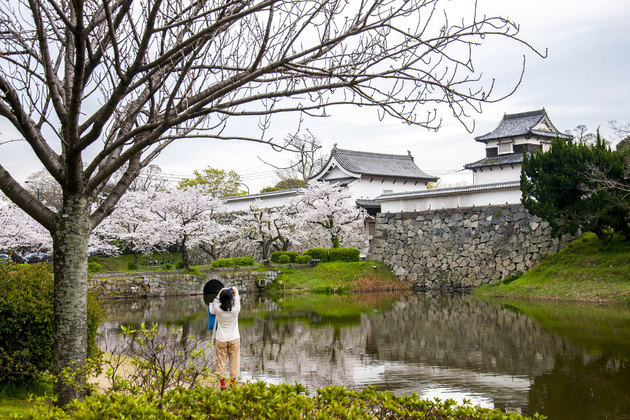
(480, 198)
(335, 172)
(363, 188)
(267, 202)
(497, 174)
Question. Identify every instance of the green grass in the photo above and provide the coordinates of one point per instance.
(338, 277)
(16, 399)
(587, 270)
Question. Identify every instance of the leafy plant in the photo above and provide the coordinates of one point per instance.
(317, 254)
(244, 261)
(26, 322)
(344, 254)
(302, 259)
(259, 400)
(168, 266)
(94, 267)
(131, 265)
(160, 361)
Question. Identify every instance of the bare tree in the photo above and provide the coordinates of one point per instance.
(92, 86)
(150, 180)
(307, 162)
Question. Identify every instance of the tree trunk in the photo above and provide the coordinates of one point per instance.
(70, 241)
(184, 250)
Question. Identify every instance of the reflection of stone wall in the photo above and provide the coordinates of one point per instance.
(177, 283)
(461, 332)
(456, 332)
(462, 247)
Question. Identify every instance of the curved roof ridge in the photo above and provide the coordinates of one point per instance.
(520, 124)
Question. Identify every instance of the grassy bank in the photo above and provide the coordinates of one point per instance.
(338, 277)
(588, 270)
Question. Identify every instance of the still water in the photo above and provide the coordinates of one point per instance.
(566, 361)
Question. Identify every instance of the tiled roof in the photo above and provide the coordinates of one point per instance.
(362, 202)
(513, 125)
(378, 164)
(280, 193)
(511, 159)
(449, 191)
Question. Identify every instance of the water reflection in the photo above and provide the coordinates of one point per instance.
(518, 357)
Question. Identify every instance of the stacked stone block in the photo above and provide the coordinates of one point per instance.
(458, 248)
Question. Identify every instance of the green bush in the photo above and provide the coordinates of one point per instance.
(179, 265)
(223, 262)
(233, 262)
(132, 265)
(244, 261)
(275, 256)
(302, 259)
(94, 267)
(317, 254)
(260, 400)
(344, 254)
(26, 322)
(284, 259)
(168, 266)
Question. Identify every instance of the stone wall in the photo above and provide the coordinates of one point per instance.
(161, 284)
(462, 247)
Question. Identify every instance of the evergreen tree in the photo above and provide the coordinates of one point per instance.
(557, 187)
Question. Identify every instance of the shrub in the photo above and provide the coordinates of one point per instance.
(244, 261)
(179, 265)
(132, 265)
(233, 262)
(317, 254)
(168, 266)
(94, 267)
(344, 254)
(223, 262)
(302, 259)
(260, 400)
(160, 361)
(284, 259)
(275, 256)
(26, 322)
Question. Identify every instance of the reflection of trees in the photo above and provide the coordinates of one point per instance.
(589, 388)
(412, 336)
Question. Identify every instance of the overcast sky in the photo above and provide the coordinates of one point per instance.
(584, 80)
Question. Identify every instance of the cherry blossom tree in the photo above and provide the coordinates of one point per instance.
(131, 224)
(324, 204)
(186, 218)
(20, 232)
(95, 86)
(269, 228)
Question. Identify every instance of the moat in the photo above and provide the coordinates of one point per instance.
(560, 360)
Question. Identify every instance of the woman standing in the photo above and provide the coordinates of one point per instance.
(227, 305)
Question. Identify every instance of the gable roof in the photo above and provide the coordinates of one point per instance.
(374, 164)
(511, 159)
(532, 123)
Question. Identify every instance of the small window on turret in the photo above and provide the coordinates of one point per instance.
(505, 148)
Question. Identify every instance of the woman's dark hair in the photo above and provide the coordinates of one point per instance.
(226, 300)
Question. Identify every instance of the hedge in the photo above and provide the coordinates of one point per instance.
(317, 254)
(233, 262)
(344, 254)
(260, 400)
(285, 256)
